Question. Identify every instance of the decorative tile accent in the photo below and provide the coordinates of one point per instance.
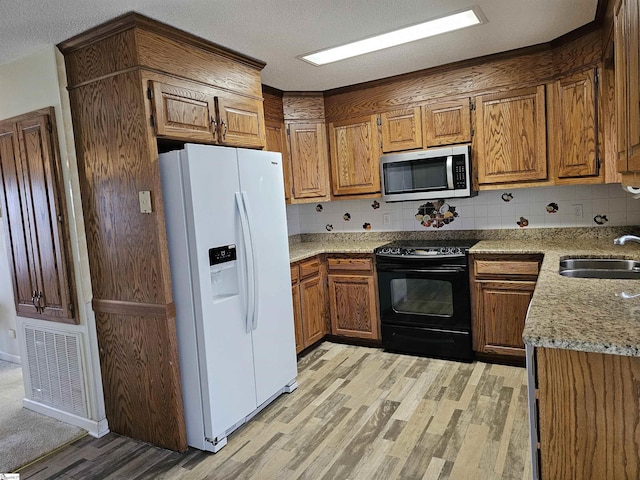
(328, 227)
(523, 222)
(375, 205)
(366, 226)
(436, 214)
(600, 219)
(552, 207)
(507, 197)
(346, 217)
(319, 208)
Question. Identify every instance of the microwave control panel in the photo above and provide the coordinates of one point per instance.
(459, 172)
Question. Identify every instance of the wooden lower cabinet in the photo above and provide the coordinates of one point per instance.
(353, 297)
(502, 287)
(588, 415)
(503, 307)
(309, 299)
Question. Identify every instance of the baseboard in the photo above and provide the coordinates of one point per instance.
(7, 357)
(94, 428)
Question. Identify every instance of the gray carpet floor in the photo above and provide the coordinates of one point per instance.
(25, 435)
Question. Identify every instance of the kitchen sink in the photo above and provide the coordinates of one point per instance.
(616, 268)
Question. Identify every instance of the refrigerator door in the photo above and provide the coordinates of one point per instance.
(261, 183)
(224, 346)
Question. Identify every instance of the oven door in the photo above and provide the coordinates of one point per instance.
(425, 294)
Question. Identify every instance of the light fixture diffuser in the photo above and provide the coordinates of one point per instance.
(436, 26)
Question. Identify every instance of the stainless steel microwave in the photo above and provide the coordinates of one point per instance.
(427, 174)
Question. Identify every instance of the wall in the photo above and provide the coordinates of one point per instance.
(30, 83)
(508, 208)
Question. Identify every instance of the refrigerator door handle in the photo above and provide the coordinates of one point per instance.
(246, 238)
(255, 271)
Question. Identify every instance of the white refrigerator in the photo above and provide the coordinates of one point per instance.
(228, 249)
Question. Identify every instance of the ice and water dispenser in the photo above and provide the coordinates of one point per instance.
(223, 267)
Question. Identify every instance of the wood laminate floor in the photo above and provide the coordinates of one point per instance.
(358, 413)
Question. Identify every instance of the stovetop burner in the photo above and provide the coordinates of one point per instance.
(426, 248)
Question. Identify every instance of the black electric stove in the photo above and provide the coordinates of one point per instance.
(425, 305)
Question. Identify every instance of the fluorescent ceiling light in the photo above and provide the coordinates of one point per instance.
(454, 21)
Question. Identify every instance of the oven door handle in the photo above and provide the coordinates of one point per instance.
(445, 271)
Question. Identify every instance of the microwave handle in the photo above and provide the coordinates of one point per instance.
(450, 172)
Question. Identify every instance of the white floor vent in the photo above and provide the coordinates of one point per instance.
(54, 363)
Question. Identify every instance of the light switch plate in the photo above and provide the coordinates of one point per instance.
(145, 201)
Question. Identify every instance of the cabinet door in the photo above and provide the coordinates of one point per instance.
(182, 113)
(620, 65)
(355, 156)
(297, 318)
(240, 121)
(501, 311)
(447, 123)
(401, 130)
(277, 142)
(352, 303)
(511, 142)
(309, 161)
(574, 125)
(37, 243)
(312, 301)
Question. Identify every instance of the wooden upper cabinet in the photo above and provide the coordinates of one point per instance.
(309, 161)
(401, 130)
(511, 142)
(202, 114)
(355, 156)
(240, 121)
(626, 24)
(183, 113)
(573, 130)
(447, 123)
(276, 141)
(35, 218)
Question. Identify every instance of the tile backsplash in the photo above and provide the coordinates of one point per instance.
(566, 206)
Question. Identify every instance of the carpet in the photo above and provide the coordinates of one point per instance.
(25, 435)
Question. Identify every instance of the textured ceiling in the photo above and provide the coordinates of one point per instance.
(277, 31)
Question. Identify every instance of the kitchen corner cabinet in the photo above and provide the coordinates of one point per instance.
(355, 153)
(36, 221)
(573, 125)
(197, 113)
(447, 123)
(353, 297)
(401, 130)
(510, 141)
(309, 161)
(626, 30)
(586, 410)
(502, 287)
(309, 300)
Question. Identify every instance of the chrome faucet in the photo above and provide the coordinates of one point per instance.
(625, 238)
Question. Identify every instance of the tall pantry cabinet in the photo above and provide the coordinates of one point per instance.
(137, 86)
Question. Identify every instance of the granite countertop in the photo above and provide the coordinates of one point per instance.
(585, 314)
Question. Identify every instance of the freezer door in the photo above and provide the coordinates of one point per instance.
(261, 182)
(224, 346)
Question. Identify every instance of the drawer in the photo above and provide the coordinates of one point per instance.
(349, 264)
(310, 267)
(295, 274)
(506, 267)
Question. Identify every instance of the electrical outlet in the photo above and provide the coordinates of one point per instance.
(386, 219)
(12, 333)
(577, 210)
